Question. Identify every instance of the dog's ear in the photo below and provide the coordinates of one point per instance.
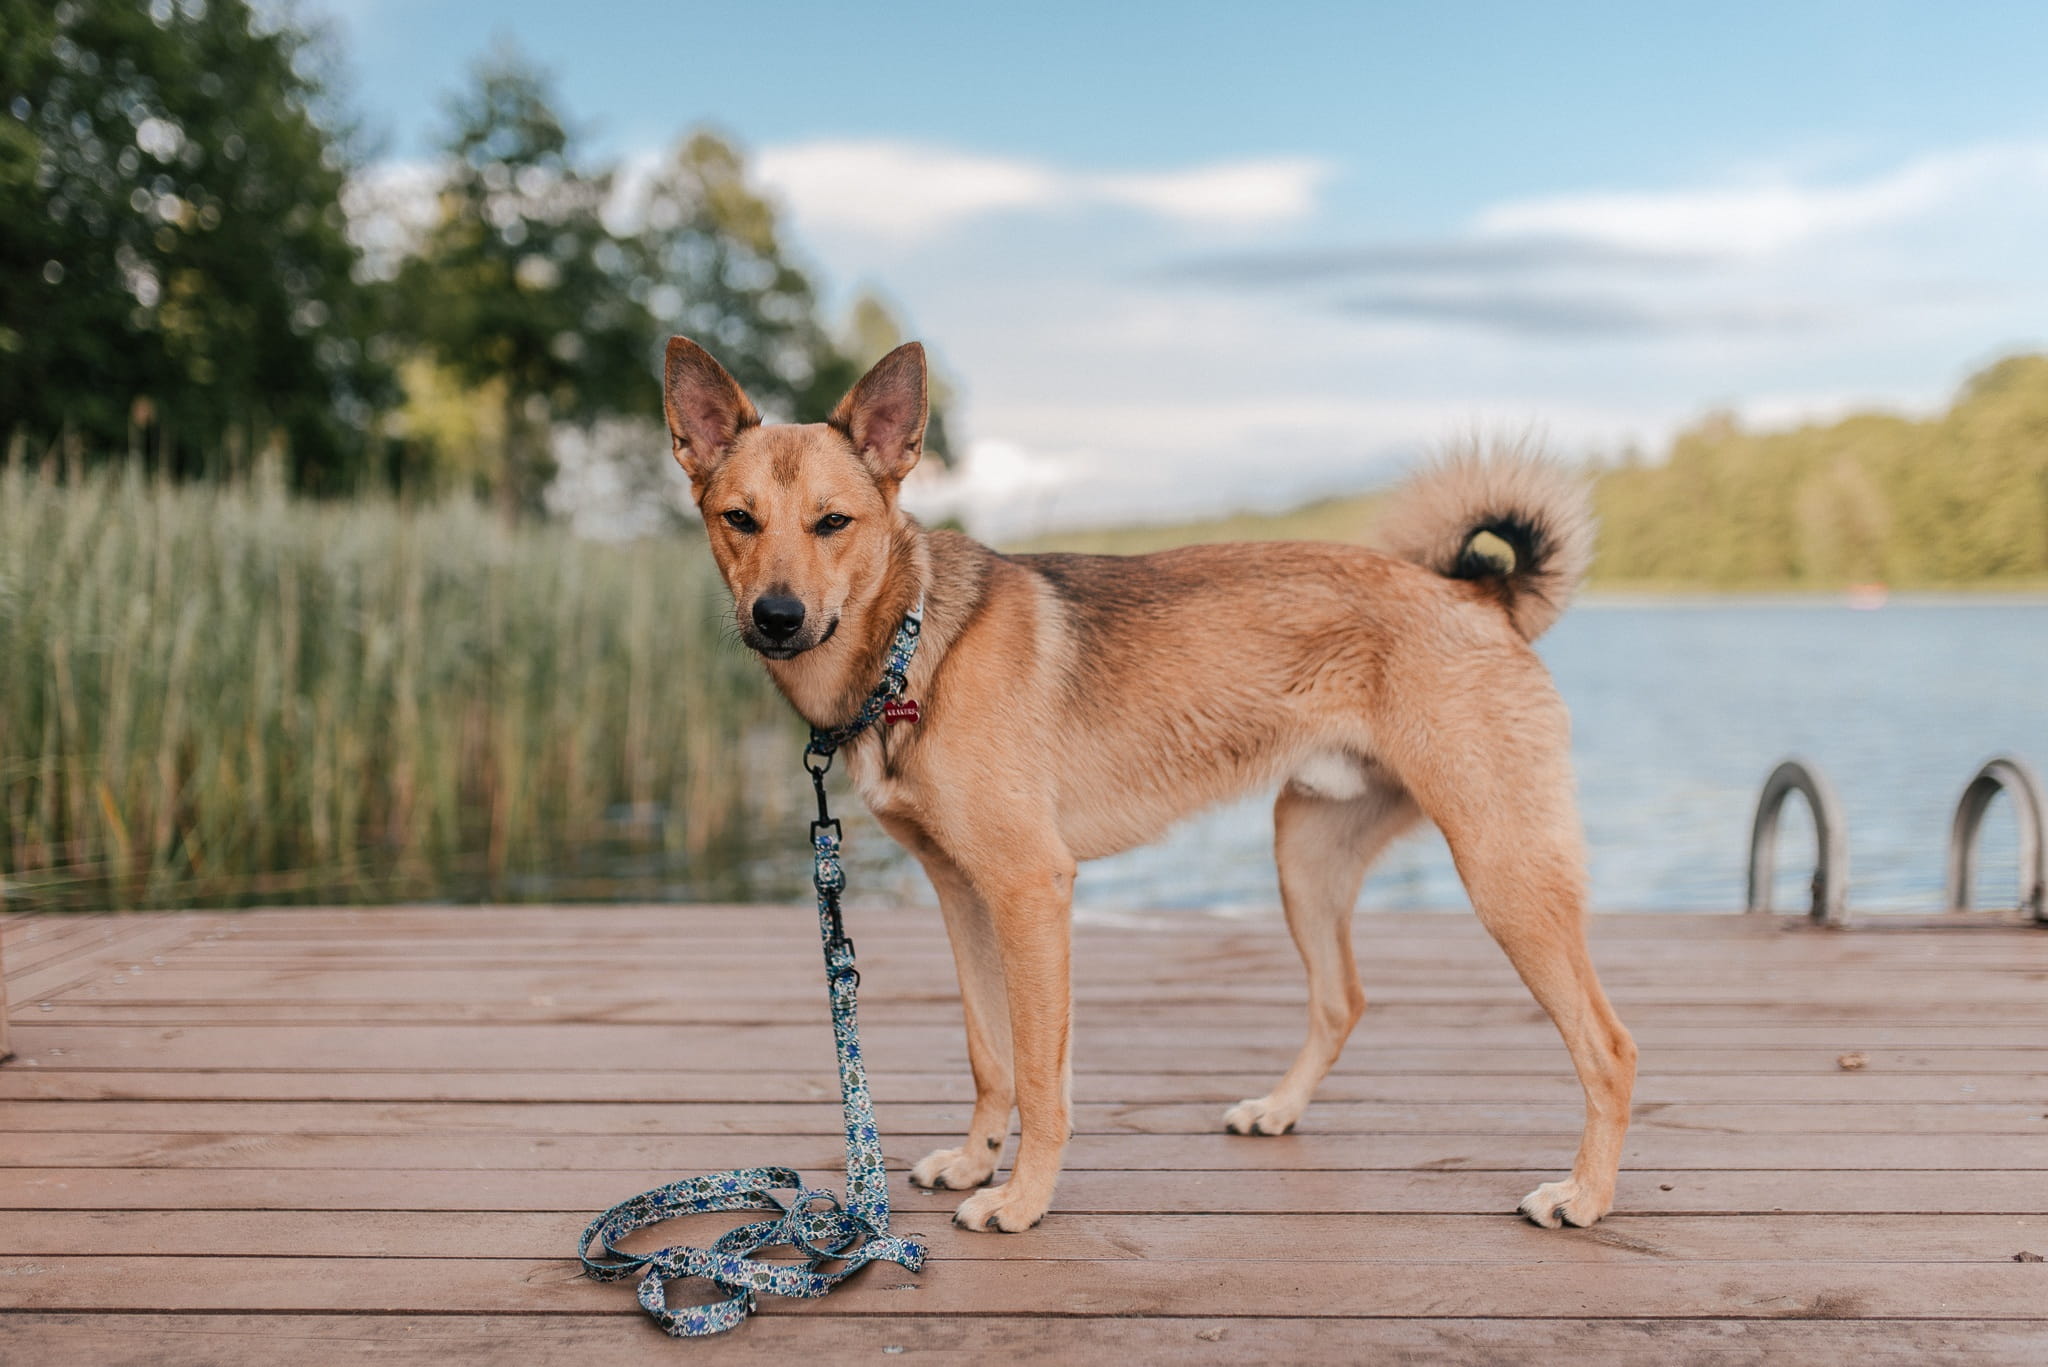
(705, 406)
(884, 415)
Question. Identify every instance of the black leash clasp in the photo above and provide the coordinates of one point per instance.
(818, 763)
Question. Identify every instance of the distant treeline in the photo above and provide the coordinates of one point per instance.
(201, 270)
(1957, 499)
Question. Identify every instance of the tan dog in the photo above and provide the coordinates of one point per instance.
(1077, 705)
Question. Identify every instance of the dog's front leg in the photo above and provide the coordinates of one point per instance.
(977, 957)
(1029, 893)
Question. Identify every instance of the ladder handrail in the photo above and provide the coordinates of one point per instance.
(1831, 840)
(2013, 776)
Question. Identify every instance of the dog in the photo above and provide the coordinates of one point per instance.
(1073, 706)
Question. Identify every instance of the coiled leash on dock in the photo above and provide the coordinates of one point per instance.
(814, 1222)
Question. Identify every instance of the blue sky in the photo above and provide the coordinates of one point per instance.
(1185, 257)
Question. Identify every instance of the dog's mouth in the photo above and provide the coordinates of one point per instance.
(786, 650)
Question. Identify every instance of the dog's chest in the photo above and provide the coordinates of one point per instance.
(885, 792)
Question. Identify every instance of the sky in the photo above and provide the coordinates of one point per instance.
(1182, 258)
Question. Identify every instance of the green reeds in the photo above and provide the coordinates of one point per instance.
(222, 695)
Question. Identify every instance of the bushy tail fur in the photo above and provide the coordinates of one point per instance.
(1507, 518)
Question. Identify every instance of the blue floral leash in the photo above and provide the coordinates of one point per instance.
(814, 1222)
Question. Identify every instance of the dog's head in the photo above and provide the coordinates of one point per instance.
(802, 518)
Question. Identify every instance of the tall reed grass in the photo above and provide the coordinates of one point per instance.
(214, 695)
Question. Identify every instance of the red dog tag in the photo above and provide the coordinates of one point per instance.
(901, 710)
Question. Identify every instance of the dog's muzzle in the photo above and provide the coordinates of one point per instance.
(779, 632)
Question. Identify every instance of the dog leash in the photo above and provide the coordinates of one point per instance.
(814, 1222)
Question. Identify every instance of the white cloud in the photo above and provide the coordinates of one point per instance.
(909, 191)
(997, 484)
(894, 189)
(1226, 192)
(1928, 247)
(1766, 216)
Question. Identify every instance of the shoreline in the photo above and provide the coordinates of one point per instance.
(1623, 596)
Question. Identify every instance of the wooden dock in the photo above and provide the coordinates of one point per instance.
(374, 1135)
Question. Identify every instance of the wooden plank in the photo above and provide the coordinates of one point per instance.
(145, 1340)
(587, 1189)
(127, 943)
(567, 1048)
(1108, 954)
(483, 973)
(1021, 1286)
(484, 976)
(1219, 1152)
(1451, 1239)
(737, 918)
(31, 940)
(2019, 1016)
(822, 1117)
(1132, 1049)
(1101, 965)
(40, 942)
(772, 929)
(752, 938)
(1353, 1081)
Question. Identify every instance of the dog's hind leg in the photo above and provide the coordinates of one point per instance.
(1323, 845)
(1503, 797)
(1539, 919)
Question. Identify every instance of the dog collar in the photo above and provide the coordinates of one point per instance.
(886, 701)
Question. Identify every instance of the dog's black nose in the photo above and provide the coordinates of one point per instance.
(778, 618)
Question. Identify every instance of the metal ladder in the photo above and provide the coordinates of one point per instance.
(2001, 773)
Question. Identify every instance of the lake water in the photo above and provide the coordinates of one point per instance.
(1679, 711)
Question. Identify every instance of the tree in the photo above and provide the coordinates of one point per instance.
(175, 274)
(178, 279)
(520, 283)
(1958, 498)
(713, 267)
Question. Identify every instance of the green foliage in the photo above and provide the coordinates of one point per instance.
(175, 272)
(552, 290)
(179, 284)
(222, 694)
(715, 269)
(520, 284)
(1957, 499)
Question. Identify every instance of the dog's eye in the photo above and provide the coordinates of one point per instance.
(830, 523)
(740, 520)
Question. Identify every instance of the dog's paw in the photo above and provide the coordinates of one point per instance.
(954, 1169)
(1556, 1204)
(1000, 1209)
(1262, 1115)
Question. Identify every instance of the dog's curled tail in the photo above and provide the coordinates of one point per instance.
(1507, 518)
